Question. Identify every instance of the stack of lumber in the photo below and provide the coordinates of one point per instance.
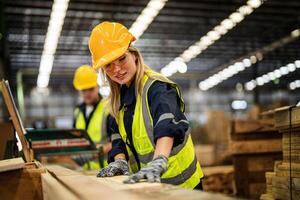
(284, 182)
(255, 146)
(219, 179)
(62, 183)
(19, 180)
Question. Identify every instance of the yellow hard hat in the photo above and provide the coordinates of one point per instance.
(108, 41)
(85, 77)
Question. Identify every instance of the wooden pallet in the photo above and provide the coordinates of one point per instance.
(255, 146)
(285, 180)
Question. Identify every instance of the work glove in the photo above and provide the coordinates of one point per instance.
(118, 167)
(151, 172)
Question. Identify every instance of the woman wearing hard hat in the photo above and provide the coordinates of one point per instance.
(91, 115)
(150, 131)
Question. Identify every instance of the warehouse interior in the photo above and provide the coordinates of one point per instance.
(237, 63)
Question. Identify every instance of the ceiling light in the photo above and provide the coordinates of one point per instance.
(254, 3)
(236, 17)
(253, 59)
(57, 16)
(245, 10)
(297, 63)
(221, 30)
(272, 75)
(146, 17)
(291, 67)
(247, 62)
(277, 73)
(296, 33)
(239, 105)
(284, 70)
(227, 23)
(213, 35)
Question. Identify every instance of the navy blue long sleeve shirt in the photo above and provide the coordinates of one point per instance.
(162, 99)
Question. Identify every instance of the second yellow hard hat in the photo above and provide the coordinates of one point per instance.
(85, 77)
(108, 41)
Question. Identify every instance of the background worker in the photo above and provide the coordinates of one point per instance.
(150, 128)
(91, 115)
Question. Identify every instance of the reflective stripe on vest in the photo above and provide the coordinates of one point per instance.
(183, 167)
(97, 124)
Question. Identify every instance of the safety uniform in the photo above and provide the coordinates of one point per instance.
(96, 126)
(183, 167)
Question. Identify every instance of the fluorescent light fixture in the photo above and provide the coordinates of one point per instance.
(146, 17)
(239, 105)
(57, 17)
(247, 62)
(254, 3)
(294, 85)
(297, 63)
(277, 73)
(215, 34)
(242, 63)
(296, 33)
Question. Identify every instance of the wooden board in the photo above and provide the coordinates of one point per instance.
(256, 146)
(219, 179)
(15, 117)
(11, 164)
(267, 197)
(282, 117)
(283, 169)
(53, 190)
(157, 190)
(6, 137)
(250, 172)
(251, 126)
(22, 183)
(91, 187)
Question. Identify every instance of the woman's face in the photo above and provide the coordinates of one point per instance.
(123, 69)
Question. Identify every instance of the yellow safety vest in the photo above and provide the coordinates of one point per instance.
(96, 128)
(183, 168)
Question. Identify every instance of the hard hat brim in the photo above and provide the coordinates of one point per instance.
(85, 86)
(110, 57)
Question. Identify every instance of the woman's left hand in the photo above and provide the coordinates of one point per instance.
(151, 172)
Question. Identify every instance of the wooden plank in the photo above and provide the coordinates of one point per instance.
(11, 164)
(267, 197)
(280, 193)
(219, 179)
(15, 117)
(6, 135)
(264, 162)
(251, 126)
(283, 169)
(22, 183)
(256, 146)
(158, 191)
(284, 182)
(91, 187)
(53, 190)
(85, 187)
(282, 117)
(225, 169)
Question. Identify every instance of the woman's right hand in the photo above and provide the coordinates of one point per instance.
(118, 167)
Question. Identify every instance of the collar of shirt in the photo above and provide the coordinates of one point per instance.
(127, 95)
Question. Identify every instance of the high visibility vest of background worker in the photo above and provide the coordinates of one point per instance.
(150, 128)
(91, 115)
